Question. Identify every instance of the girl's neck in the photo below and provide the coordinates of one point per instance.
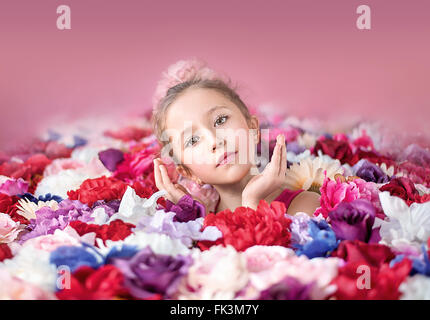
(231, 194)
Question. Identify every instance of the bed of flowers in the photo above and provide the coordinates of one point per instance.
(81, 218)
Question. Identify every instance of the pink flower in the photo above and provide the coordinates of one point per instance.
(13, 187)
(205, 193)
(59, 165)
(334, 192)
(9, 229)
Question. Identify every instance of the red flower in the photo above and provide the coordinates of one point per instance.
(247, 227)
(402, 187)
(128, 133)
(8, 206)
(5, 252)
(354, 251)
(116, 230)
(90, 284)
(34, 165)
(102, 188)
(383, 282)
(416, 173)
(340, 150)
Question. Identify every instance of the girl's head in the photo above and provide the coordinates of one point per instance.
(197, 121)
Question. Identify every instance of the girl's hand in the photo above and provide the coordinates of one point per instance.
(271, 179)
(163, 182)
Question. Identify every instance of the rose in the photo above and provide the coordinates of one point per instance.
(340, 150)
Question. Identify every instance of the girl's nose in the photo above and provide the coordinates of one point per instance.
(218, 143)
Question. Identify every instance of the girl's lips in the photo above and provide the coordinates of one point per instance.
(227, 158)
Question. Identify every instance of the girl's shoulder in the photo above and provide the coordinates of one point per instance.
(287, 196)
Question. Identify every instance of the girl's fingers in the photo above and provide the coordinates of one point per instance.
(168, 185)
(283, 169)
(276, 157)
(157, 175)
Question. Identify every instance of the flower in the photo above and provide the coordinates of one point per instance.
(354, 220)
(48, 220)
(133, 208)
(14, 187)
(147, 273)
(28, 208)
(14, 288)
(102, 188)
(87, 283)
(340, 150)
(323, 240)
(416, 154)
(383, 282)
(206, 193)
(5, 252)
(9, 229)
(111, 158)
(335, 192)
(246, 227)
(309, 173)
(415, 288)
(402, 187)
(217, 273)
(287, 289)
(186, 209)
(404, 224)
(115, 230)
(369, 171)
(370, 254)
(75, 257)
(163, 223)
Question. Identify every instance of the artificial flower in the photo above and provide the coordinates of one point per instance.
(354, 221)
(369, 171)
(14, 187)
(287, 289)
(309, 173)
(186, 209)
(246, 227)
(403, 188)
(147, 273)
(9, 229)
(111, 158)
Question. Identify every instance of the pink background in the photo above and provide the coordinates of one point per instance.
(306, 57)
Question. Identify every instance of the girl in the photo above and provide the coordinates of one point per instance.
(199, 121)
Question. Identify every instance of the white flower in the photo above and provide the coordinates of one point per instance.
(33, 266)
(159, 243)
(218, 273)
(309, 173)
(415, 288)
(132, 207)
(405, 225)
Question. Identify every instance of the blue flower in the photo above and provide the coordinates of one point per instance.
(323, 240)
(421, 266)
(75, 257)
(46, 197)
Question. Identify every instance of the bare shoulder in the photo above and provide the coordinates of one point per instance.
(306, 201)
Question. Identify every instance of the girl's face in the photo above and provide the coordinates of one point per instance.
(202, 125)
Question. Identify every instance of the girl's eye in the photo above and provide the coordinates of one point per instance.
(221, 119)
(190, 141)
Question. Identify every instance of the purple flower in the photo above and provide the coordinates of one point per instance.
(48, 220)
(110, 158)
(295, 147)
(354, 220)
(417, 155)
(186, 209)
(288, 288)
(147, 273)
(111, 207)
(370, 172)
